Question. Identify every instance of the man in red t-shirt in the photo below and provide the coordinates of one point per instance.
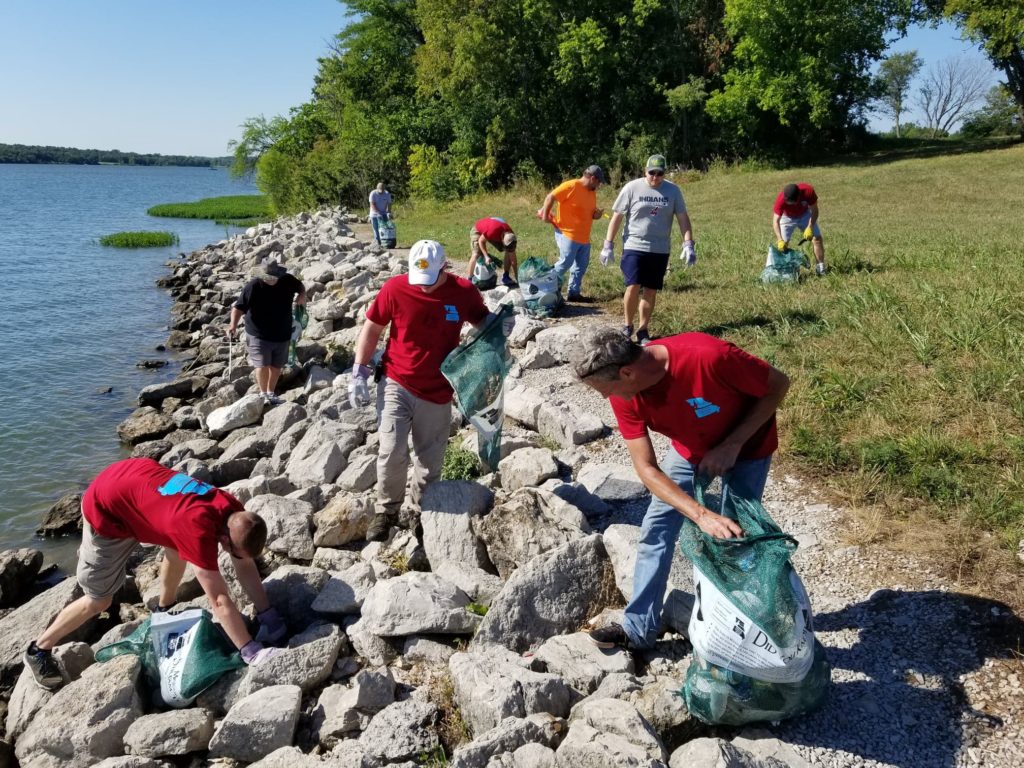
(497, 233)
(717, 405)
(796, 208)
(425, 309)
(139, 501)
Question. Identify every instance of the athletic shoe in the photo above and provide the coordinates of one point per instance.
(612, 636)
(508, 282)
(643, 337)
(273, 399)
(380, 527)
(627, 331)
(579, 298)
(44, 668)
(820, 269)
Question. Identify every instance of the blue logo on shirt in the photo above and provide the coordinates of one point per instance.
(181, 484)
(451, 313)
(702, 407)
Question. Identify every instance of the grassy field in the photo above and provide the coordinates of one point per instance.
(139, 239)
(238, 210)
(907, 400)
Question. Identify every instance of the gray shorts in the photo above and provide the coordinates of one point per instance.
(101, 562)
(264, 354)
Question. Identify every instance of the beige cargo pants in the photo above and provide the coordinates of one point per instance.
(401, 416)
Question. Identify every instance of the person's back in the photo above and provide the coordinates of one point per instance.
(268, 308)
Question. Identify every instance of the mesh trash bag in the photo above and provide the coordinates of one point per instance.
(783, 266)
(477, 373)
(182, 654)
(300, 319)
(386, 232)
(540, 287)
(754, 653)
(485, 273)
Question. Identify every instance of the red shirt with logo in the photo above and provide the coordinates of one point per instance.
(709, 387)
(493, 231)
(424, 329)
(808, 197)
(143, 500)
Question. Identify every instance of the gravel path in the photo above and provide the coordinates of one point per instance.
(921, 674)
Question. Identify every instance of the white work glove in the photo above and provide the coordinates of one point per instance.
(608, 253)
(254, 653)
(689, 254)
(359, 386)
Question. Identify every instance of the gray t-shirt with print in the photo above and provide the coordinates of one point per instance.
(649, 214)
(382, 201)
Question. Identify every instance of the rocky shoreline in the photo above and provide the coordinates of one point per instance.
(455, 643)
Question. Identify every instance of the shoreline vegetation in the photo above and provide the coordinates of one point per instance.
(233, 210)
(141, 239)
(31, 154)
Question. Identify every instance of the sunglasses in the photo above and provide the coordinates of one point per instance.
(655, 173)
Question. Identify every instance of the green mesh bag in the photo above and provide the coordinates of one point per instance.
(754, 653)
(300, 319)
(182, 654)
(477, 372)
(784, 266)
(540, 287)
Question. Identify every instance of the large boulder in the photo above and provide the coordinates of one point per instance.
(568, 424)
(345, 591)
(509, 736)
(85, 721)
(552, 594)
(258, 724)
(307, 662)
(719, 753)
(18, 570)
(662, 705)
(342, 711)
(292, 589)
(241, 413)
(579, 662)
(494, 684)
(606, 732)
(288, 525)
(63, 518)
(527, 467)
(402, 731)
(28, 697)
(612, 482)
(155, 394)
(344, 519)
(321, 454)
(417, 603)
(530, 523)
(145, 423)
(173, 733)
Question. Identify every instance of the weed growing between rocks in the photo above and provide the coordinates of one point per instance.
(477, 608)
(459, 464)
(452, 729)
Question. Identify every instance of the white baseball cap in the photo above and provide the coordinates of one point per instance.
(426, 260)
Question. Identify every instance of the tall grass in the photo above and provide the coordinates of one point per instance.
(908, 385)
(139, 239)
(230, 207)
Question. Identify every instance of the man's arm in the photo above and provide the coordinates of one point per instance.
(366, 344)
(685, 228)
(720, 459)
(613, 226)
(776, 226)
(249, 578)
(646, 465)
(544, 214)
(236, 316)
(814, 214)
(223, 607)
(300, 297)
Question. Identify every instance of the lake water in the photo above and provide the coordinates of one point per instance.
(77, 317)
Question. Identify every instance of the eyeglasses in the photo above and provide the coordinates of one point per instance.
(655, 173)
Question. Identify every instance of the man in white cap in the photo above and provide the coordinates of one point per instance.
(572, 208)
(425, 309)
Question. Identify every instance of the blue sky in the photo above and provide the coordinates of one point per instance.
(180, 76)
(167, 76)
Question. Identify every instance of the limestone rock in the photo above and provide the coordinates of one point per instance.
(307, 662)
(346, 710)
(718, 753)
(610, 732)
(417, 603)
(258, 724)
(177, 732)
(512, 733)
(612, 482)
(580, 663)
(344, 519)
(63, 518)
(288, 525)
(401, 731)
(527, 467)
(241, 413)
(18, 570)
(346, 590)
(292, 590)
(145, 424)
(24, 624)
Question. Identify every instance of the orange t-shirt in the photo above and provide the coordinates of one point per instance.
(576, 205)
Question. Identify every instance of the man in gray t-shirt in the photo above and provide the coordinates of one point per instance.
(647, 206)
(380, 209)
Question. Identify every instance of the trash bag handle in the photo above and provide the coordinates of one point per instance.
(699, 486)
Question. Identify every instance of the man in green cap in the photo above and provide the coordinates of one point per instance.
(647, 206)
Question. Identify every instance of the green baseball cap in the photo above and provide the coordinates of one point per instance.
(656, 163)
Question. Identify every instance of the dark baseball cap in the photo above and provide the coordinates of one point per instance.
(596, 172)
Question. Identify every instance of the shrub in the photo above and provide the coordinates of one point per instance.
(139, 239)
(459, 465)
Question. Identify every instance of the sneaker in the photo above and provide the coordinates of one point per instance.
(44, 668)
(612, 636)
(820, 269)
(627, 331)
(380, 527)
(271, 399)
(509, 282)
(579, 298)
(643, 337)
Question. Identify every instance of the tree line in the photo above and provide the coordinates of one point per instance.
(26, 153)
(441, 98)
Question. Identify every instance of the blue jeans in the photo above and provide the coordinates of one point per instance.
(574, 255)
(375, 223)
(658, 535)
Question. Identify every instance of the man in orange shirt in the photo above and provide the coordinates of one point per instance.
(577, 209)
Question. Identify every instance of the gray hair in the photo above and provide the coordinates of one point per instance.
(380, 187)
(604, 351)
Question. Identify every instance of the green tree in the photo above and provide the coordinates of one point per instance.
(258, 135)
(998, 26)
(999, 116)
(895, 73)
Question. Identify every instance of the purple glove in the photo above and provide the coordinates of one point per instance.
(253, 653)
(272, 627)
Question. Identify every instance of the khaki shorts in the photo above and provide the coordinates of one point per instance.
(267, 354)
(101, 562)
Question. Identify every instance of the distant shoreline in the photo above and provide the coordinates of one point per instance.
(28, 154)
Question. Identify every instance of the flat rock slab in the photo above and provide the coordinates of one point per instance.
(581, 663)
(417, 603)
(170, 733)
(258, 724)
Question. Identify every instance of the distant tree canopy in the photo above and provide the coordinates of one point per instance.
(446, 97)
(25, 153)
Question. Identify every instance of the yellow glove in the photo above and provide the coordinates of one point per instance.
(809, 232)
(781, 245)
